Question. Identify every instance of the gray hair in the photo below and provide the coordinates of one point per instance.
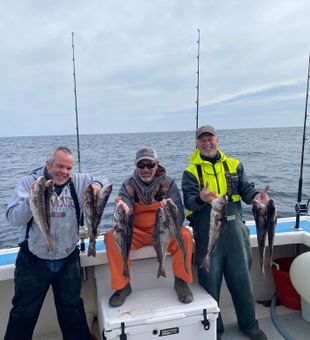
(51, 156)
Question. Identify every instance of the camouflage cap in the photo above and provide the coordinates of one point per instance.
(205, 129)
(146, 153)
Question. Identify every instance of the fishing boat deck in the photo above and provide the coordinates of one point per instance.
(291, 322)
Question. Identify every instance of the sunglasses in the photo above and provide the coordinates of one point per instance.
(147, 165)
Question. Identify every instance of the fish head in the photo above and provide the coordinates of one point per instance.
(220, 202)
(272, 204)
(258, 206)
(88, 193)
(171, 205)
(119, 213)
(41, 181)
(104, 192)
(49, 185)
(106, 189)
(161, 215)
(38, 186)
(271, 208)
(259, 210)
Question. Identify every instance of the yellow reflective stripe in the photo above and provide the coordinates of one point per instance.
(236, 198)
(188, 213)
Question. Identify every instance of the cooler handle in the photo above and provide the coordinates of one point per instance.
(275, 264)
(165, 318)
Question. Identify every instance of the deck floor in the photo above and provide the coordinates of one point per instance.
(291, 322)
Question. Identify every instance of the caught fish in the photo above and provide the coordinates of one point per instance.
(171, 211)
(271, 224)
(260, 216)
(161, 240)
(122, 231)
(93, 207)
(265, 216)
(39, 200)
(218, 219)
(49, 185)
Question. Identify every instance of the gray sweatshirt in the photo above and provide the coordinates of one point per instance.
(64, 228)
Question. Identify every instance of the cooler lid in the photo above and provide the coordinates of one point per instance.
(155, 305)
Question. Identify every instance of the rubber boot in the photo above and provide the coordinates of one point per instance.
(183, 292)
(119, 296)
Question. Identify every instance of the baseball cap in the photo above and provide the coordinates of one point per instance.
(146, 153)
(205, 129)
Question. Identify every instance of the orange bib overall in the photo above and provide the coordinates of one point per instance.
(143, 235)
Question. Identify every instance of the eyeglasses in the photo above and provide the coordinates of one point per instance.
(147, 165)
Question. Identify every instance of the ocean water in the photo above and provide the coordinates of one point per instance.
(270, 156)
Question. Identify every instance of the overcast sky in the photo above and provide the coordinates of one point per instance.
(136, 64)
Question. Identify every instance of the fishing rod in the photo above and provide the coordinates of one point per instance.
(302, 208)
(76, 109)
(82, 231)
(198, 74)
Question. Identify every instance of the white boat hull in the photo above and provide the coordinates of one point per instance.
(144, 266)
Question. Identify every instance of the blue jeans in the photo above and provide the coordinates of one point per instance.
(32, 280)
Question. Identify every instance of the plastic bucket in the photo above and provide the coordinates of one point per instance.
(286, 293)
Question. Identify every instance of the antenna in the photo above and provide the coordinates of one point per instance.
(197, 86)
(76, 109)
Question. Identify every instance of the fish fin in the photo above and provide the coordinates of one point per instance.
(186, 268)
(126, 272)
(161, 272)
(205, 263)
(263, 271)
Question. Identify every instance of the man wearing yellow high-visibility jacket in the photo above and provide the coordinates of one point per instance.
(210, 175)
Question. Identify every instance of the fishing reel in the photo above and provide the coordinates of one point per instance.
(83, 234)
(302, 208)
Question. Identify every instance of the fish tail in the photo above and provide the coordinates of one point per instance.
(207, 262)
(161, 271)
(185, 264)
(50, 246)
(263, 272)
(126, 271)
(91, 250)
(270, 255)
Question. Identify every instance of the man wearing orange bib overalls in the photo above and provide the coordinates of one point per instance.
(145, 191)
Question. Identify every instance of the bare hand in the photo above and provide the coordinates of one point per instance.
(206, 195)
(96, 187)
(164, 202)
(263, 196)
(118, 200)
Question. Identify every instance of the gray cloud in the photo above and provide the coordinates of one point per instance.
(136, 64)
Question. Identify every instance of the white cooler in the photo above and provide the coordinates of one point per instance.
(156, 313)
